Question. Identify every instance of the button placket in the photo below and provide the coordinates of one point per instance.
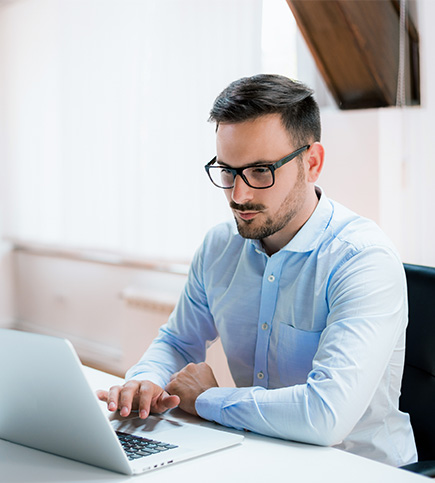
(269, 294)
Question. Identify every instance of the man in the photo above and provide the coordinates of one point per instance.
(308, 298)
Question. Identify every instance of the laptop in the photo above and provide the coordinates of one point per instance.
(46, 403)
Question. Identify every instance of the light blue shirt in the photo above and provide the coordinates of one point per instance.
(314, 335)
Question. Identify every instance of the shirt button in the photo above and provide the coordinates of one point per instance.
(260, 375)
(265, 326)
(271, 278)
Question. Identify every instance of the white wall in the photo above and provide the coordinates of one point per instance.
(103, 105)
(380, 163)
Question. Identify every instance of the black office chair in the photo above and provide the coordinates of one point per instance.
(418, 386)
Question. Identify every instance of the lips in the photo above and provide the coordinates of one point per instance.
(247, 211)
(247, 215)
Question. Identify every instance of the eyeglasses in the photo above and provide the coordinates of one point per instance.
(258, 176)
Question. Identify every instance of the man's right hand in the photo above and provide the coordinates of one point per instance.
(143, 396)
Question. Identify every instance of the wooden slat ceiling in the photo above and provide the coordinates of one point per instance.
(355, 44)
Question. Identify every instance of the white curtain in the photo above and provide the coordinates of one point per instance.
(103, 118)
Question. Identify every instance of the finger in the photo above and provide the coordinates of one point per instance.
(171, 387)
(166, 401)
(102, 395)
(113, 398)
(147, 392)
(126, 397)
(154, 399)
(170, 397)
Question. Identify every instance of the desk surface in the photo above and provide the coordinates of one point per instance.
(258, 458)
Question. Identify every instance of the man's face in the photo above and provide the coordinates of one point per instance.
(275, 214)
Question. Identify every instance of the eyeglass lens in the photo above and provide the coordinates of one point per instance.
(257, 176)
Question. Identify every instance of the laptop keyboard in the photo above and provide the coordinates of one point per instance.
(137, 447)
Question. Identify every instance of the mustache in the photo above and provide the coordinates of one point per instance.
(246, 207)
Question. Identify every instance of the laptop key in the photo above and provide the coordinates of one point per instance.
(144, 453)
(137, 447)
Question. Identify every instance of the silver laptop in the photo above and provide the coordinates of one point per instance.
(47, 403)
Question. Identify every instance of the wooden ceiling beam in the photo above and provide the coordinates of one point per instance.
(355, 44)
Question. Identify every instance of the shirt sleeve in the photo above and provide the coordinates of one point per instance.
(367, 318)
(189, 331)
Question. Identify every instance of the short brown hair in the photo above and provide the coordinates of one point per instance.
(251, 97)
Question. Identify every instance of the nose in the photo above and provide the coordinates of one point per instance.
(241, 192)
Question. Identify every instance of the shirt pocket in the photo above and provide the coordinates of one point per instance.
(296, 350)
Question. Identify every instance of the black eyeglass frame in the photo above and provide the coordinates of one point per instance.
(239, 171)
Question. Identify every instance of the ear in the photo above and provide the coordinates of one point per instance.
(316, 153)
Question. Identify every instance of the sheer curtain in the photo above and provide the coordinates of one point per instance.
(103, 118)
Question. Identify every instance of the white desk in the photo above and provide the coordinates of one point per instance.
(257, 459)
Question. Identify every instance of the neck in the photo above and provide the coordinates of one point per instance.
(281, 238)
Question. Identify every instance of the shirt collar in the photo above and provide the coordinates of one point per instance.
(311, 233)
(309, 236)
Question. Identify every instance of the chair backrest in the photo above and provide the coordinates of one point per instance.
(418, 386)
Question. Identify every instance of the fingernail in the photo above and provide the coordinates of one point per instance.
(124, 411)
(143, 414)
(112, 406)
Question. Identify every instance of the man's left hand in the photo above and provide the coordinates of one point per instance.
(189, 383)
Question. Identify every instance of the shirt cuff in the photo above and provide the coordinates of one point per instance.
(209, 404)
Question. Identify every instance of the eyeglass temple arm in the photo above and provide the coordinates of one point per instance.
(291, 156)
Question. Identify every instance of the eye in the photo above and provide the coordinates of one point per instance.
(258, 171)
